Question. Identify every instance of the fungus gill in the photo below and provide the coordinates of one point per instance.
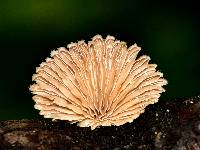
(96, 84)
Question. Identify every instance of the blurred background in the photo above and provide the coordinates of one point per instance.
(29, 30)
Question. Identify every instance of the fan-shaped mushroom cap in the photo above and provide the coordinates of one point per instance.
(94, 84)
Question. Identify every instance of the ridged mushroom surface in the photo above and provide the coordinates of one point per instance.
(101, 83)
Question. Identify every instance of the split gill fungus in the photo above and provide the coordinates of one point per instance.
(96, 84)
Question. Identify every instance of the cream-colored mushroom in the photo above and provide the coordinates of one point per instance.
(94, 84)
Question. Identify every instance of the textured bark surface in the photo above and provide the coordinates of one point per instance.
(164, 125)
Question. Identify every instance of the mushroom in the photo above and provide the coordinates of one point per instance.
(96, 84)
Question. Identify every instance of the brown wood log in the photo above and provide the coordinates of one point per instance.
(165, 125)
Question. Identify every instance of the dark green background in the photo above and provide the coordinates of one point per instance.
(168, 32)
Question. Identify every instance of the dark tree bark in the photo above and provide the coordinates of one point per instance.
(164, 125)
